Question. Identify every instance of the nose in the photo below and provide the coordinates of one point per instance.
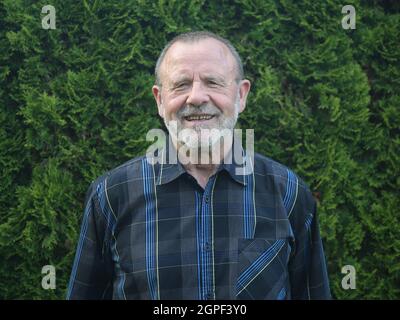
(198, 95)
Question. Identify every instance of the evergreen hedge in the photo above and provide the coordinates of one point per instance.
(76, 101)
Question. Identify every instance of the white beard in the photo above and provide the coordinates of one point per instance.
(199, 138)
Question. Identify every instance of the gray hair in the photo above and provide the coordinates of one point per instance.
(196, 36)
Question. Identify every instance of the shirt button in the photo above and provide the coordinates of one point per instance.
(207, 199)
(207, 246)
(210, 296)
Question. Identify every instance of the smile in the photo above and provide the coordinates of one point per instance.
(199, 117)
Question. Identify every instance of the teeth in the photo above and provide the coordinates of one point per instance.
(200, 117)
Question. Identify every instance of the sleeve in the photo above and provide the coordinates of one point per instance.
(307, 267)
(91, 275)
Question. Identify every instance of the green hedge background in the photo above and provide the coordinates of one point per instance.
(76, 101)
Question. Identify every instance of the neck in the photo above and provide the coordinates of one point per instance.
(201, 172)
(202, 164)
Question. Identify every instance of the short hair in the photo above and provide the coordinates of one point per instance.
(194, 36)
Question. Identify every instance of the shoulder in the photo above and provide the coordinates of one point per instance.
(284, 181)
(118, 177)
(277, 172)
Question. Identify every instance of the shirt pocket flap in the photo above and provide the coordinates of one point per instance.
(262, 268)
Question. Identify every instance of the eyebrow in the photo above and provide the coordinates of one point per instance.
(180, 79)
(184, 78)
(218, 79)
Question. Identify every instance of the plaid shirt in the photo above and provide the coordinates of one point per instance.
(152, 232)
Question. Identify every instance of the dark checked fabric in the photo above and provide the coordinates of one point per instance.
(150, 231)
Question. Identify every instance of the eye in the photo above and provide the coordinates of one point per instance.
(213, 83)
(181, 86)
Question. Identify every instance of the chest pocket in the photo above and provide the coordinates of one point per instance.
(262, 269)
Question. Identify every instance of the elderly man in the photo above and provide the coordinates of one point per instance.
(199, 229)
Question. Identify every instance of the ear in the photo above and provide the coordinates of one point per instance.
(157, 96)
(244, 88)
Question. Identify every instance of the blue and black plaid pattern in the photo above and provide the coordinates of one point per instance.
(151, 232)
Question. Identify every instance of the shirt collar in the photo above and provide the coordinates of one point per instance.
(168, 170)
(234, 163)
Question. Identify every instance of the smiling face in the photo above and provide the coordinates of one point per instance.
(199, 88)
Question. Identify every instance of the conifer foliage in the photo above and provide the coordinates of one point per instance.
(75, 101)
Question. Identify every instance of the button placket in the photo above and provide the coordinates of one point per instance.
(207, 240)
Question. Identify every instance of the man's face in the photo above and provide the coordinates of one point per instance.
(199, 90)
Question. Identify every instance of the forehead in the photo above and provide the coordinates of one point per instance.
(206, 56)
